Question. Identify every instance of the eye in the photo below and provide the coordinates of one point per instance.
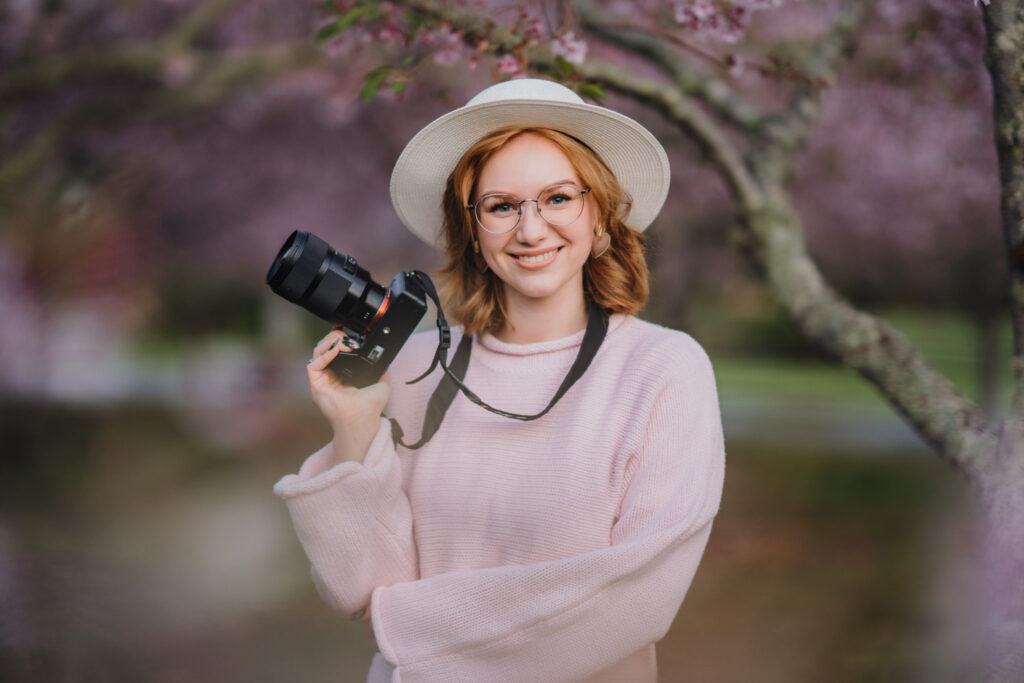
(560, 197)
(499, 206)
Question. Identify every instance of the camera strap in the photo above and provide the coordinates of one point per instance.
(451, 382)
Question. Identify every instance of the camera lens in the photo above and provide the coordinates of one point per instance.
(308, 272)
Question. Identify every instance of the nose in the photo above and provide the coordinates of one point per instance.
(532, 228)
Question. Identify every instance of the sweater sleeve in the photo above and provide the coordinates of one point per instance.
(565, 619)
(354, 523)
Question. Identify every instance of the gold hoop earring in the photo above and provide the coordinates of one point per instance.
(602, 241)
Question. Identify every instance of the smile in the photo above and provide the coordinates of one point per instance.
(537, 258)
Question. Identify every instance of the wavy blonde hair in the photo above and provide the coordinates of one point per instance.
(616, 282)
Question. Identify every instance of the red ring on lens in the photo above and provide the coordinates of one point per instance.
(381, 310)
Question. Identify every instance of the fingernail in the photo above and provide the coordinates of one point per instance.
(333, 344)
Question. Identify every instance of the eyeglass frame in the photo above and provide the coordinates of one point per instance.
(519, 207)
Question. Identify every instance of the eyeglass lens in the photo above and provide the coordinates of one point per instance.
(559, 205)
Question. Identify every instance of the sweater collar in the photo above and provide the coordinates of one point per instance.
(492, 343)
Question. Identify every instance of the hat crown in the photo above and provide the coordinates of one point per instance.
(526, 89)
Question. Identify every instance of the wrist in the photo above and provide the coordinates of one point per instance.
(344, 450)
(352, 445)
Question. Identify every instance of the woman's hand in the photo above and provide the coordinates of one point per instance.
(354, 414)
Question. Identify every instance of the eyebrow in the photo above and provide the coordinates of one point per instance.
(564, 181)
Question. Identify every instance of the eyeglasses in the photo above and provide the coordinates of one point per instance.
(499, 213)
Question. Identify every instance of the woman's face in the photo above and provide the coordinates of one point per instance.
(537, 261)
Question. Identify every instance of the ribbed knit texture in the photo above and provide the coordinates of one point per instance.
(537, 551)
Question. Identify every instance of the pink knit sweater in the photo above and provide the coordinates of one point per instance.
(554, 550)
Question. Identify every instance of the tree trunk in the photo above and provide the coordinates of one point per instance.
(1002, 497)
(1002, 487)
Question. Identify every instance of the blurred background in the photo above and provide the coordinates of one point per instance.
(154, 156)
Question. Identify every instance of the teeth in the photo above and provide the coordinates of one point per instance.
(538, 258)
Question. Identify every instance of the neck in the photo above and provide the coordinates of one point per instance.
(531, 321)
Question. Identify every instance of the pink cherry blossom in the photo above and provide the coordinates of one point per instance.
(509, 64)
(718, 20)
(534, 28)
(573, 49)
(451, 46)
(390, 34)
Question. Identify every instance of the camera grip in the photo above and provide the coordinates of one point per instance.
(360, 367)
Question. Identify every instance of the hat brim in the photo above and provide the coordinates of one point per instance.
(629, 150)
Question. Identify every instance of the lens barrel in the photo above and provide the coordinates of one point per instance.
(332, 286)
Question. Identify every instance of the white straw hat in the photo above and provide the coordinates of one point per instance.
(634, 155)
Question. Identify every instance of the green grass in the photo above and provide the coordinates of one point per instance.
(946, 340)
(767, 377)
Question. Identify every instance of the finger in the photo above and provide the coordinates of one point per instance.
(332, 337)
(323, 357)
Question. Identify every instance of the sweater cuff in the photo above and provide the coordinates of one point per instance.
(317, 472)
(377, 620)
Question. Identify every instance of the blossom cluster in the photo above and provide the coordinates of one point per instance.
(571, 48)
(349, 27)
(721, 21)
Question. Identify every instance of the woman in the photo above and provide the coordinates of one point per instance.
(557, 549)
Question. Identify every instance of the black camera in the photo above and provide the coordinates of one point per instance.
(376, 319)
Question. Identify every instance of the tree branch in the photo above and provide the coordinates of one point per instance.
(716, 93)
(948, 422)
(691, 119)
(826, 58)
(788, 131)
(951, 424)
(139, 62)
(217, 77)
(198, 22)
(44, 75)
(1004, 57)
(474, 26)
(227, 73)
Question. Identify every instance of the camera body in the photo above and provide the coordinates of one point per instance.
(373, 352)
(377, 320)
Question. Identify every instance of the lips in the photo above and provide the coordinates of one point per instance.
(536, 258)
